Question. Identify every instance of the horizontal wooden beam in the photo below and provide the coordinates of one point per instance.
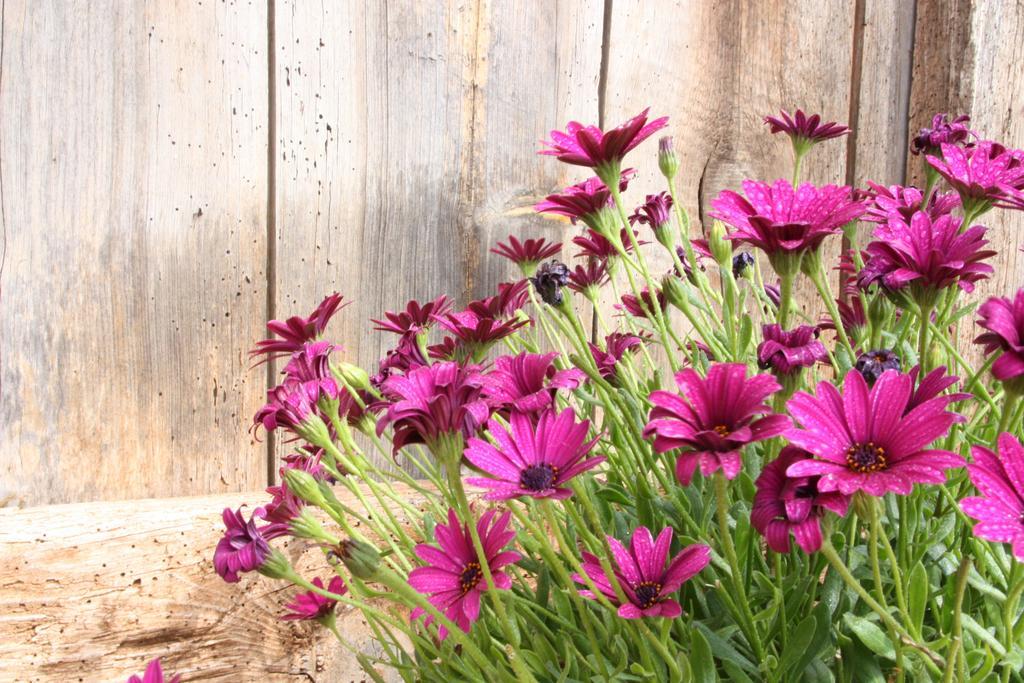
(92, 591)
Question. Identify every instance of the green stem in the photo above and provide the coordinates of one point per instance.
(1009, 404)
(922, 338)
(820, 279)
(1015, 584)
(722, 507)
(785, 299)
(955, 652)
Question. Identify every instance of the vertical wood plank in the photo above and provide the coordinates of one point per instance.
(717, 69)
(408, 135)
(133, 171)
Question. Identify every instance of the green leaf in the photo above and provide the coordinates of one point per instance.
(796, 648)
(736, 674)
(701, 662)
(917, 596)
(871, 635)
(724, 650)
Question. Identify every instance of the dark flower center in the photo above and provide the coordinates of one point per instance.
(470, 576)
(808, 490)
(648, 593)
(866, 457)
(721, 430)
(538, 477)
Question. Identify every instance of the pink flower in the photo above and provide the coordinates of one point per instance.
(594, 245)
(714, 418)
(643, 305)
(406, 356)
(511, 297)
(656, 211)
(292, 405)
(902, 203)
(1004, 320)
(431, 402)
(312, 363)
(779, 219)
(532, 460)
(942, 131)
(787, 351)
(852, 317)
(785, 505)
(527, 255)
(244, 546)
(527, 383)
(297, 330)
(984, 174)
(590, 146)
(284, 505)
(475, 334)
(641, 572)
(415, 318)
(803, 130)
(154, 674)
(1000, 480)
(585, 201)
(310, 606)
(587, 280)
(929, 255)
(616, 345)
(452, 577)
(866, 440)
(931, 387)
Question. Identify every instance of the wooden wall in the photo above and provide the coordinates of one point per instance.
(174, 172)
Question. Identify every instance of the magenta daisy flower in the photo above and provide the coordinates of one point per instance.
(779, 219)
(453, 578)
(714, 418)
(1000, 479)
(656, 212)
(528, 254)
(804, 130)
(312, 363)
(927, 255)
(1003, 319)
(640, 307)
(530, 459)
(244, 546)
(787, 351)
(984, 175)
(594, 245)
(942, 131)
(511, 297)
(296, 331)
(439, 400)
(785, 505)
(154, 674)
(527, 383)
(616, 345)
(589, 201)
(865, 440)
(641, 571)
(590, 146)
(415, 318)
(406, 356)
(902, 203)
(293, 406)
(475, 334)
(587, 280)
(311, 606)
(852, 317)
(931, 387)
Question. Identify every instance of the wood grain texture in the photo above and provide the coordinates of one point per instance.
(717, 69)
(967, 58)
(408, 135)
(133, 173)
(93, 591)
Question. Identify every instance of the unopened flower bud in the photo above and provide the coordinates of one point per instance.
(668, 162)
(674, 292)
(721, 248)
(353, 376)
(361, 559)
(276, 565)
(304, 485)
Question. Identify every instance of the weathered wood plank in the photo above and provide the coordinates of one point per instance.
(133, 173)
(717, 69)
(92, 591)
(407, 140)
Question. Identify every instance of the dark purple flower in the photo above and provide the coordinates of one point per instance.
(1003, 319)
(452, 577)
(549, 280)
(616, 345)
(943, 131)
(641, 572)
(872, 364)
(805, 130)
(153, 674)
(740, 262)
(1000, 480)
(714, 418)
(414, 318)
(527, 254)
(774, 294)
(527, 383)
(311, 606)
(787, 351)
(785, 505)
(435, 401)
(296, 331)
(984, 174)
(244, 546)
(865, 440)
(534, 459)
(930, 255)
(902, 203)
(780, 219)
(590, 146)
